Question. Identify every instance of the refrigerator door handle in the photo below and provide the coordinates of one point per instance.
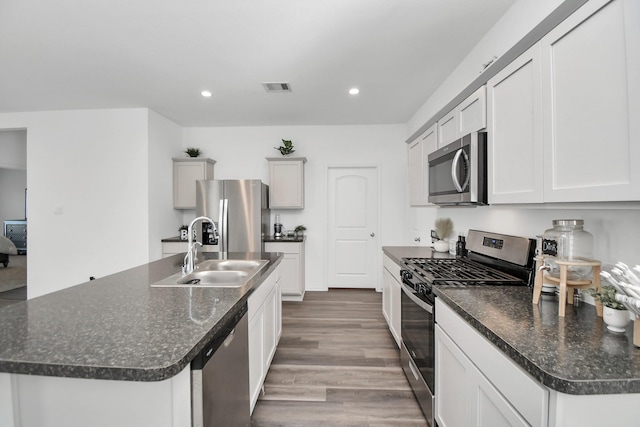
(224, 226)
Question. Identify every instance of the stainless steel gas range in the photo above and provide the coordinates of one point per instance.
(492, 260)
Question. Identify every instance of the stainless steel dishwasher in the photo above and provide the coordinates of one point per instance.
(220, 377)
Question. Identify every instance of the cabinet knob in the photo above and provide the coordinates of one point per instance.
(372, 234)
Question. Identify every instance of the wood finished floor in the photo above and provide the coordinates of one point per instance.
(336, 365)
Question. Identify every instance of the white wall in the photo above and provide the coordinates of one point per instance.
(165, 138)
(88, 194)
(616, 231)
(240, 153)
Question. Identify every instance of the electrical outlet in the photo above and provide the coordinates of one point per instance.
(434, 235)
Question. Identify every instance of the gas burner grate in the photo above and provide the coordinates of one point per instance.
(458, 272)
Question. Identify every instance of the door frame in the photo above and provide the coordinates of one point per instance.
(325, 247)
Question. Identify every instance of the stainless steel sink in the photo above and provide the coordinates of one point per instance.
(219, 273)
(230, 264)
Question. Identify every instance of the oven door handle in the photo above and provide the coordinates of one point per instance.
(412, 296)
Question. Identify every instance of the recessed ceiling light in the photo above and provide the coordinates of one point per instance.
(354, 91)
(206, 93)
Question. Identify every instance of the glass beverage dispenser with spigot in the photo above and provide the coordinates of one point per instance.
(567, 241)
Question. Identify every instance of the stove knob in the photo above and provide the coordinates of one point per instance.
(406, 274)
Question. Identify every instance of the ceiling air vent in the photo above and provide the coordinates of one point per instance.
(277, 87)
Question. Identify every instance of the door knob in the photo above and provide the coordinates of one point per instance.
(372, 234)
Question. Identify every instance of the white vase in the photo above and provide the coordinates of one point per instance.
(616, 320)
(441, 246)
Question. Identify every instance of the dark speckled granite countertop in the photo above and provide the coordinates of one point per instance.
(574, 355)
(118, 327)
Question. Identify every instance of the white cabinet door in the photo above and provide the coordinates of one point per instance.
(591, 100)
(453, 406)
(270, 328)
(472, 113)
(506, 388)
(468, 116)
(386, 295)
(448, 128)
(391, 290)
(186, 171)
(291, 268)
(418, 153)
(396, 305)
(464, 396)
(514, 128)
(265, 325)
(286, 183)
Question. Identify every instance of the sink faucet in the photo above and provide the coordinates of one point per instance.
(192, 248)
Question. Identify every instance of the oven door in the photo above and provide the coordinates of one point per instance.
(418, 350)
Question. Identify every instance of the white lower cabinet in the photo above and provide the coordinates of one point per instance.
(391, 289)
(265, 328)
(477, 384)
(464, 396)
(291, 268)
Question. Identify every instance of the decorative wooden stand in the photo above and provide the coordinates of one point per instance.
(567, 286)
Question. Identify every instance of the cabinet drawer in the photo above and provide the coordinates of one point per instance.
(284, 247)
(523, 392)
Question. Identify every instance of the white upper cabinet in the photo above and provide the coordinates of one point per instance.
(286, 182)
(472, 113)
(469, 116)
(514, 128)
(418, 153)
(591, 104)
(447, 129)
(186, 171)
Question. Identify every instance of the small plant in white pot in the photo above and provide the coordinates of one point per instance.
(443, 228)
(614, 313)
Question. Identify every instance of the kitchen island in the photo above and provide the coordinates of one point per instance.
(114, 338)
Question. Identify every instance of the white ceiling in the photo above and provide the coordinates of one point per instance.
(160, 54)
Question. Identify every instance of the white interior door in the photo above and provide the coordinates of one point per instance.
(352, 249)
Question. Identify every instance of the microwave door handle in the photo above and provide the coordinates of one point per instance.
(465, 186)
(454, 170)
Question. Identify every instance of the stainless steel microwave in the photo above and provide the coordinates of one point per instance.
(458, 172)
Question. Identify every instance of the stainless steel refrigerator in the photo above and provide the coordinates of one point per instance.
(240, 209)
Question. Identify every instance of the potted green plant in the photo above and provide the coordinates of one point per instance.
(614, 313)
(286, 148)
(192, 152)
(443, 228)
(299, 230)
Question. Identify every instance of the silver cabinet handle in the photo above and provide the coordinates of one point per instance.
(372, 234)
